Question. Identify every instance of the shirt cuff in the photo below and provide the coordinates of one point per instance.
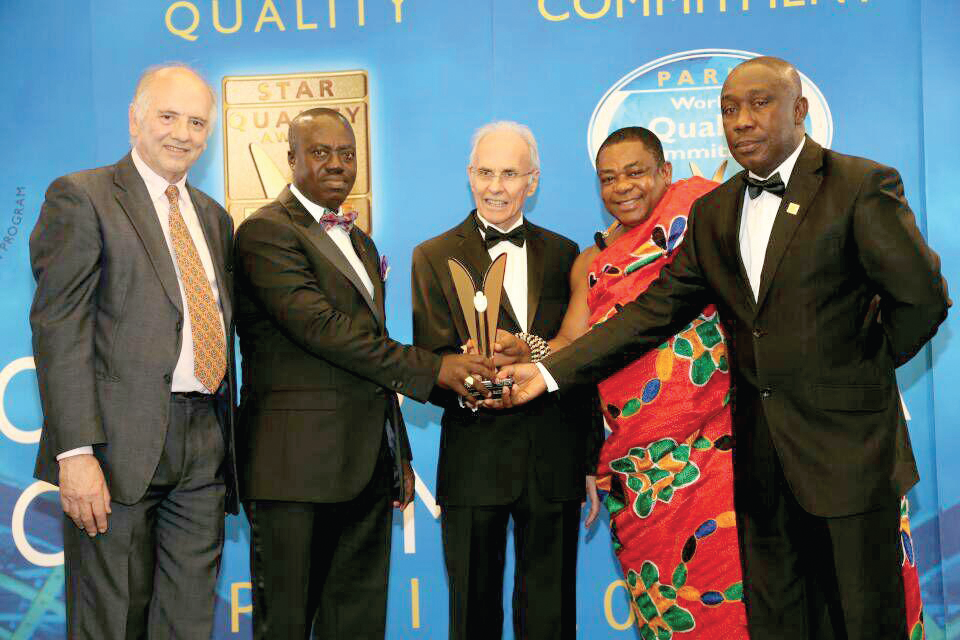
(547, 378)
(79, 451)
(464, 405)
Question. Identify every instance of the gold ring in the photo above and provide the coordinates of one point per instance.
(468, 381)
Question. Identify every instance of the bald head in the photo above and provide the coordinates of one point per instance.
(782, 71)
(310, 116)
(161, 76)
(763, 113)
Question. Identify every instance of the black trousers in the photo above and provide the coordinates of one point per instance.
(153, 574)
(807, 577)
(323, 566)
(544, 594)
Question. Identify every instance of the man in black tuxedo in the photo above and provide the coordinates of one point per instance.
(133, 336)
(529, 463)
(825, 286)
(322, 448)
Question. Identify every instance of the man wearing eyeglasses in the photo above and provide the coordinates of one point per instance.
(528, 463)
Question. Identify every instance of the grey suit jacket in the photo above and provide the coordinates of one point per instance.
(107, 318)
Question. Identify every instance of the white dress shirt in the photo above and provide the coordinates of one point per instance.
(515, 277)
(183, 375)
(756, 223)
(339, 236)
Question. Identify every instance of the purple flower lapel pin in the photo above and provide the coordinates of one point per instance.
(384, 268)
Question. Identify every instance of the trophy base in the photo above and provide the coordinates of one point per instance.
(495, 387)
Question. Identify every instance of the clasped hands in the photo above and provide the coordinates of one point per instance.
(511, 359)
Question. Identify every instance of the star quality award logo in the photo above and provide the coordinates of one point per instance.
(257, 111)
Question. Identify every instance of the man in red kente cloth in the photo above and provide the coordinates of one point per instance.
(666, 468)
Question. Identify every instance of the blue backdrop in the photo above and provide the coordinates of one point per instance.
(881, 75)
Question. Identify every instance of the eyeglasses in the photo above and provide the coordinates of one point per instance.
(507, 176)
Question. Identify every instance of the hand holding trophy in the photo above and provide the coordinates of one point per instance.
(481, 310)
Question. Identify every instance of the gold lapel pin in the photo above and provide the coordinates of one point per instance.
(793, 208)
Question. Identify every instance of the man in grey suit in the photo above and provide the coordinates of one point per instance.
(132, 335)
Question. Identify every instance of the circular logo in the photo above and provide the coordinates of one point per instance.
(19, 532)
(678, 98)
(7, 428)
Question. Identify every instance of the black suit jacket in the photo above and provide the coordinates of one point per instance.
(106, 320)
(484, 456)
(849, 291)
(319, 370)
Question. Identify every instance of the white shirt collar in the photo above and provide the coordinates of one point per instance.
(786, 167)
(156, 184)
(484, 224)
(314, 209)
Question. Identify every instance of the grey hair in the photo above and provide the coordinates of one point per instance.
(521, 130)
(141, 95)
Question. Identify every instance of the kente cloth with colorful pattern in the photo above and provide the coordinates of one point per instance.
(911, 578)
(209, 346)
(666, 467)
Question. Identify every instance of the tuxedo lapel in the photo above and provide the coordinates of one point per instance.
(475, 257)
(325, 245)
(132, 195)
(373, 271)
(735, 198)
(211, 233)
(536, 257)
(801, 189)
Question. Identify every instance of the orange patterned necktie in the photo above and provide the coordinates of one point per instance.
(209, 359)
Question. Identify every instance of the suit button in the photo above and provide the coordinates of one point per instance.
(766, 392)
(759, 333)
(167, 378)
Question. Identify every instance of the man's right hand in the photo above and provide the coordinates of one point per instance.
(527, 385)
(83, 493)
(456, 368)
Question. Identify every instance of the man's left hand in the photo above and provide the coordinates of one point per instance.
(509, 349)
(409, 483)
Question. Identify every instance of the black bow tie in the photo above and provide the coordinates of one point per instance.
(773, 184)
(493, 236)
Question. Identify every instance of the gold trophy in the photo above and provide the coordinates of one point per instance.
(481, 310)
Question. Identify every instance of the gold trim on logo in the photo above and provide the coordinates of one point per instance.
(257, 111)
